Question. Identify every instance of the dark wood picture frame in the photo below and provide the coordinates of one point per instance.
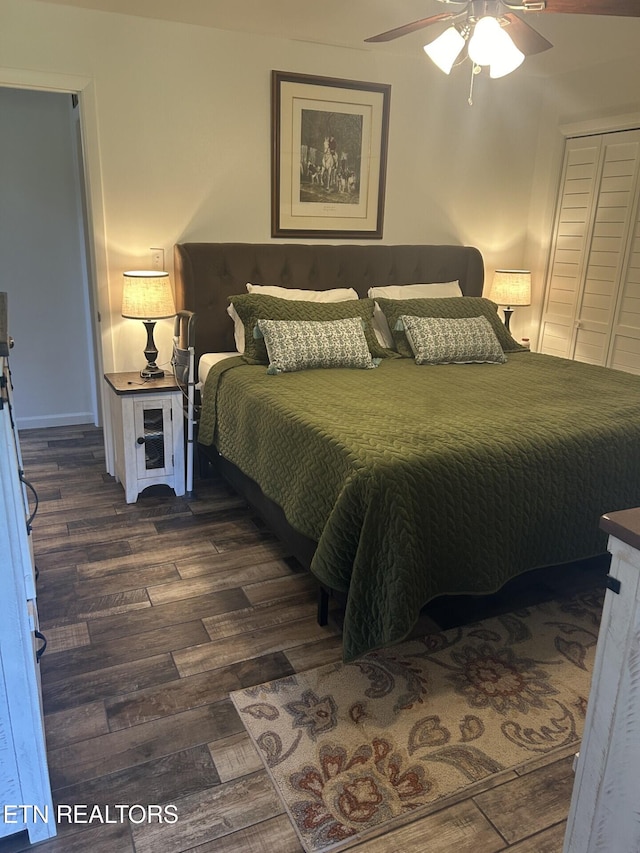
(329, 156)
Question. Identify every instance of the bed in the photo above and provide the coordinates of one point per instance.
(398, 484)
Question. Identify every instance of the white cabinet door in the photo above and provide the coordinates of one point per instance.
(604, 816)
(24, 777)
(9, 777)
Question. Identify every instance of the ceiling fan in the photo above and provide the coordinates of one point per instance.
(490, 34)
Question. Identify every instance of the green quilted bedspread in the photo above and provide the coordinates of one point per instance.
(422, 480)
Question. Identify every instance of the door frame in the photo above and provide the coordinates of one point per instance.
(96, 249)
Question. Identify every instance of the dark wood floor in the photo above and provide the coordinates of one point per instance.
(155, 611)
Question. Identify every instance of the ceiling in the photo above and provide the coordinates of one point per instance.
(579, 40)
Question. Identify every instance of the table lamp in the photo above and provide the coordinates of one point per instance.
(147, 296)
(509, 288)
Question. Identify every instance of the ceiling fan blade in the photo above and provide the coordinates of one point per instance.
(624, 8)
(524, 37)
(410, 28)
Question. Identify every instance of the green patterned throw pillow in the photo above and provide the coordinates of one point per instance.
(252, 307)
(439, 340)
(302, 344)
(452, 308)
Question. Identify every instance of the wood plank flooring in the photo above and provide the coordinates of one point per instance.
(153, 613)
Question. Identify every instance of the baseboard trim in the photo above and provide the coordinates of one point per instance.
(68, 419)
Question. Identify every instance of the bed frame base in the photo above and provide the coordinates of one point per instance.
(301, 546)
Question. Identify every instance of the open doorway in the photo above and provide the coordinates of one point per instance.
(44, 246)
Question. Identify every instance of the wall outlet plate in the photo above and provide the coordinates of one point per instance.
(157, 259)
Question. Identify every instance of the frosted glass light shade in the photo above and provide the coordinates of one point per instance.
(491, 45)
(508, 59)
(511, 287)
(146, 295)
(445, 49)
(484, 43)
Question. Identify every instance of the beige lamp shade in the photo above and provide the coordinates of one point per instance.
(511, 287)
(147, 295)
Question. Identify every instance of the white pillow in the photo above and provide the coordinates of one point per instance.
(406, 291)
(416, 291)
(238, 328)
(339, 294)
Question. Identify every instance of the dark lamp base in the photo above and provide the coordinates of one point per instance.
(508, 311)
(152, 371)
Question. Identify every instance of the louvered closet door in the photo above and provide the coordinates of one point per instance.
(596, 211)
(578, 190)
(624, 350)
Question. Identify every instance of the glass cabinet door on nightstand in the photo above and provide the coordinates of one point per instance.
(154, 437)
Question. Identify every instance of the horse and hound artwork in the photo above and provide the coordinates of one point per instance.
(331, 167)
(329, 153)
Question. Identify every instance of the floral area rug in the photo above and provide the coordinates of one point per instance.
(354, 749)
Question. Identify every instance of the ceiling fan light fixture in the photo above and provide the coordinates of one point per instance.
(444, 50)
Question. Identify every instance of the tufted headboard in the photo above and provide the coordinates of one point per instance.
(207, 273)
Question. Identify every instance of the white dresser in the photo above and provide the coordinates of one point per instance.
(605, 815)
(25, 793)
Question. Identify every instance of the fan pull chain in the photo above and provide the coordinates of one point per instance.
(475, 69)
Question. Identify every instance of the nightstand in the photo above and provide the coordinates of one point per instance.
(147, 424)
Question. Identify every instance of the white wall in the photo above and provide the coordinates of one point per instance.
(42, 269)
(179, 146)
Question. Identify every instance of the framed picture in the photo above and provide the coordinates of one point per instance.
(329, 156)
